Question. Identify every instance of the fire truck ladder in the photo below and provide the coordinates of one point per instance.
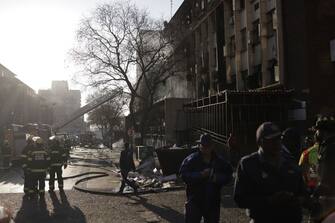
(88, 107)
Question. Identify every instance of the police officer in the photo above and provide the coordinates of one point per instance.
(204, 173)
(24, 163)
(58, 158)
(269, 184)
(38, 163)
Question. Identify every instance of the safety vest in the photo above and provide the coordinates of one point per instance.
(310, 157)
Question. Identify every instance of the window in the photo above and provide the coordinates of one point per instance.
(213, 21)
(232, 46)
(255, 80)
(269, 23)
(242, 4)
(273, 71)
(214, 58)
(199, 34)
(256, 31)
(202, 4)
(243, 40)
(256, 6)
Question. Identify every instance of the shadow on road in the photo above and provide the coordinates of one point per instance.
(36, 211)
(164, 212)
(13, 175)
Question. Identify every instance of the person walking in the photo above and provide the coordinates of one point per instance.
(268, 184)
(204, 173)
(126, 165)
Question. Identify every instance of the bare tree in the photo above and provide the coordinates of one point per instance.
(109, 116)
(119, 38)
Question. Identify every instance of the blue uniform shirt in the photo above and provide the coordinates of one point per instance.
(205, 192)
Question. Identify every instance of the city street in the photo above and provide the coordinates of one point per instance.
(76, 206)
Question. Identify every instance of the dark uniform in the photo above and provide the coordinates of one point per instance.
(24, 163)
(58, 158)
(127, 164)
(270, 194)
(203, 194)
(38, 164)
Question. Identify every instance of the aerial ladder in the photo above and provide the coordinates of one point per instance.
(87, 108)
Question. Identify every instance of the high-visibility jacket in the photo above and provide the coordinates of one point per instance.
(58, 156)
(309, 163)
(38, 160)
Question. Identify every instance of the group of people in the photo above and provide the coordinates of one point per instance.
(273, 184)
(39, 158)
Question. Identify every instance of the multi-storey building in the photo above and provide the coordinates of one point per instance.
(64, 102)
(283, 47)
(259, 45)
(19, 103)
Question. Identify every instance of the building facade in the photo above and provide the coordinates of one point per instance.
(64, 103)
(19, 103)
(259, 45)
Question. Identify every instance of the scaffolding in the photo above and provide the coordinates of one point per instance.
(237, 112)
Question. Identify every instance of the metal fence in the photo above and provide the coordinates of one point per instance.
(236, 112)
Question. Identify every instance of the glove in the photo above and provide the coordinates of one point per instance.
(65, 166)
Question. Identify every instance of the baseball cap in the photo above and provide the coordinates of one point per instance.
(267, 130)
(205, 139)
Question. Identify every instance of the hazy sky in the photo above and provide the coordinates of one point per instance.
(36, 35)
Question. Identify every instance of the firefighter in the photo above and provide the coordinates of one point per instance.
(38, 163)
(6, 154)
(58, 159)
(24, 162)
